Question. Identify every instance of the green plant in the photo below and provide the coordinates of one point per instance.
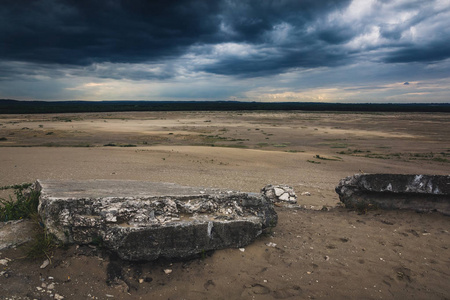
(324, 158)
(43, 243)
(24, 206)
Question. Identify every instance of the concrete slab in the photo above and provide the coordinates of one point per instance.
(15, 233)
(422, 193)
(146, 220)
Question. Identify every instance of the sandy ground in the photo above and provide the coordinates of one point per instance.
(336, 254)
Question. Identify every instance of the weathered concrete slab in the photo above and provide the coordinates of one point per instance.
(146, 220)
(15, 233)
(421, 193)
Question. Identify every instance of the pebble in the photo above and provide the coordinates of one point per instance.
(4, 261)
(51, 286)
(242, 249)
(270, 244)
(58, 297)
(141, 280)
(306, 194)
(45, 264)
(168, 271)
(109, 296)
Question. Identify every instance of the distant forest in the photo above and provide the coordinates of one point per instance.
(38, 107)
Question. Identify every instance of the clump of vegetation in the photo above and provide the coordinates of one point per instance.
(42, 244)
(337, 158)
(280, 145)
(119, 145)
(3, 139)
(24, 206)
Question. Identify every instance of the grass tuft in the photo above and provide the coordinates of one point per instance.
(22, 207)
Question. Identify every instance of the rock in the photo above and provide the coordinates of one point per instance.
(45, 264)
(422, 193)
(279, 193)
(306, 194)
(146, 220)
(167, 271)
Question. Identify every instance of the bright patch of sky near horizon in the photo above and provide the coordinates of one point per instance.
(324, 51)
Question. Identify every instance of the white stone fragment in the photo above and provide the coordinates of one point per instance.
(45, 264)
(284, 197)
(278, 191)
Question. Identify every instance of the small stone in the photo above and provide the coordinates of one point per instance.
(168, 271)
(109, 296)
(270, 244)
(38, 288)
(45, 264)
(306, 194)
(141, 280)
(58, 297)
(4, 261)
(327, 258)
(242, 249)
(44, 285)
(51, 286)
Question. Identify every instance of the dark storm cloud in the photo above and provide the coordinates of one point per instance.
(435, 51)
(277, 35)
(82, 32)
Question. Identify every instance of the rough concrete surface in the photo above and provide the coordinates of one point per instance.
(146, 220)
(15, 233)
(422, 193)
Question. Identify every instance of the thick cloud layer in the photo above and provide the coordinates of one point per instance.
(160, 40)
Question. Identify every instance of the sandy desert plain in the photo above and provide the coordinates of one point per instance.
(334, 253)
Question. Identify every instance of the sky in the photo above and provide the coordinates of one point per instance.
(348, 51)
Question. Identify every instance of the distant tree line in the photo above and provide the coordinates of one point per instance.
(38, 107)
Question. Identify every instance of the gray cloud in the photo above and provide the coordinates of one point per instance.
(165, 40)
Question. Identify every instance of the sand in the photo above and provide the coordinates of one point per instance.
(337, 253)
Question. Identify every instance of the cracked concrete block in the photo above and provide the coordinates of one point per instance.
(421, 193)
(146, 220)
